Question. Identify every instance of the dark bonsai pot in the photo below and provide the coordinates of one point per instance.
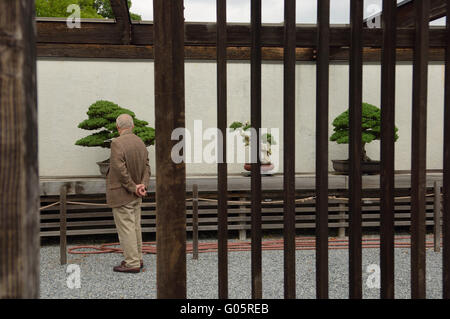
(367, 167)
(103, 165)
(264, 167)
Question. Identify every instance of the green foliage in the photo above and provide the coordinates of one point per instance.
(371, 125)
(265, 138)
(102, 115)
(103, 7)
(237, 125)
(268, 138)
(58, 8)
(95, 139)
(97, 9)
(135, 16)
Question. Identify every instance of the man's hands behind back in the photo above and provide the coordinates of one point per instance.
(140, 190)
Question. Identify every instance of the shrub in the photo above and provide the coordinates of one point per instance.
(102, 116)
(371, 127)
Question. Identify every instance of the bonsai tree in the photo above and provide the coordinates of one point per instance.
(266, 139)
(102, 116)
(371, 127)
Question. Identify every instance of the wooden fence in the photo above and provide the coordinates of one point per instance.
(87, 214)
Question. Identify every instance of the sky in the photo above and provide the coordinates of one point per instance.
(272, 10)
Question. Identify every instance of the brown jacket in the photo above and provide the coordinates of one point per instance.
(128, 166)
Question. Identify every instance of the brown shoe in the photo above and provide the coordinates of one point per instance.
(123, 268)
(123, 263)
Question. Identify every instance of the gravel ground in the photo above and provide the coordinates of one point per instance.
(99, 281)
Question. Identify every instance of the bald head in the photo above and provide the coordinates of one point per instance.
(124, 121)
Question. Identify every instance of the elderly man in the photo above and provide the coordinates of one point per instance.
(126, 182)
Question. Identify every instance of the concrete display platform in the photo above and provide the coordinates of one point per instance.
(96, 185)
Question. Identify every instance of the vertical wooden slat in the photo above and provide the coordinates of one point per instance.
(256, 255)
(418, 149)
(123, 20)
(387, 181)
(221, 6)
(19, 179)
(63, 225)
(355, 150)
(437, 217)
(289, 148)
(342, 220)
(195, 221)
(322, 112)
(446, 175)
(243, 223)
(171, 177)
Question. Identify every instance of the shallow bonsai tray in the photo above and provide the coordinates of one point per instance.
(369, 168)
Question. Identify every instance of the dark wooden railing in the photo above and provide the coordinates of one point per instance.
(357, 37)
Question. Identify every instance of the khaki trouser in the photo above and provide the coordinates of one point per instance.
(128, 224)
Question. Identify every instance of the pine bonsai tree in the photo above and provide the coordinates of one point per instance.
(266, 140)
(102, 115)
(371, 128)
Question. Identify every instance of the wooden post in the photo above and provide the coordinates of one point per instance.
(387, 175)
(123, 20)
(419, 149)
(289, 150)
(222, 168)
(342, 210)
(437, 217)
(171, 175)
(63, 225)
(322, 112)
(19, 179)
(255, 119)
(355, 149)
(243, 214)
(195, 221)
(446, 174)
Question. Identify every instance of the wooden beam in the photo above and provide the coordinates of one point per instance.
(405, 15)
(204, 34)
(104, 51)
(19, 179)
(405, 12)
(438, 9)
(56, 31)
(122, 15)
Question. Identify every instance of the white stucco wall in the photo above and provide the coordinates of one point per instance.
(66, 88)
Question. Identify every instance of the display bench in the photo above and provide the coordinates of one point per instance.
(85, 211)
(96, 185)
